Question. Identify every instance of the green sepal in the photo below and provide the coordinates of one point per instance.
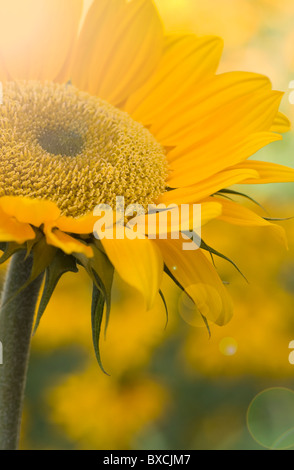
(168, 272)
(42, 257)
(223, 192)
(178, 284)
(43, 254)
(9, 250)
(103, 268)
(165, 307)
(60, 265)
(277, 219)
(3, 246)
(31, 243)
(101, 271)
(97, 310)
(206, 324)
(212, 251)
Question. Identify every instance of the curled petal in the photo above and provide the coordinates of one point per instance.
(30, 211)
(66, 243)
(11, 230)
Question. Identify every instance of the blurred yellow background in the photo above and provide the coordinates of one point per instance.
(173, 387)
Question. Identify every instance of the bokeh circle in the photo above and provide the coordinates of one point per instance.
(270, 418)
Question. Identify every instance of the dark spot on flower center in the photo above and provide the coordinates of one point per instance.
(64, 142)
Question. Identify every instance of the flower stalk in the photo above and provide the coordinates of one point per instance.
(16, 321)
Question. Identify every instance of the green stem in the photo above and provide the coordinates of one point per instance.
(16, 321)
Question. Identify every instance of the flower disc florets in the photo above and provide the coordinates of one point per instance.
(66, 146)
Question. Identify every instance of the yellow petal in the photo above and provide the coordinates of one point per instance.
(268, 172)
(36, 37)
(82, 225)
(187, 60)
(205, 188)
(193, 164)
(234, 213)
(119, 47)
(209, 211)
(31, 211)
(234, 119)
(281, 124)
(13, 231)
(139, 263)
(192, 269)
(217, 103)
(65, 242)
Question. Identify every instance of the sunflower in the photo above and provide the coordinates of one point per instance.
(119, 108)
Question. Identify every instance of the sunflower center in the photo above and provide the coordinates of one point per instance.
(59, 144)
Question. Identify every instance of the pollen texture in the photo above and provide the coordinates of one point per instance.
(66, 146)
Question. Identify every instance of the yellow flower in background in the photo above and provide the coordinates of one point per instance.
(110, 413)
(262, 348)
(122, 109)
(235, 21)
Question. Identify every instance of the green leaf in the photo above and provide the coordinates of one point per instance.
(97, 310)
(60, 265)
